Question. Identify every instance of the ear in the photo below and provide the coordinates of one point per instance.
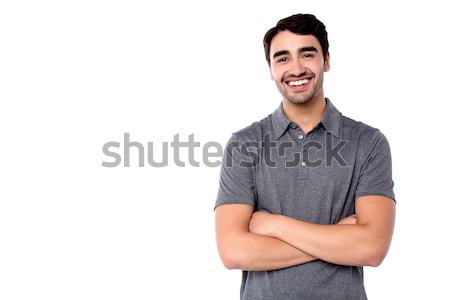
(326, 66)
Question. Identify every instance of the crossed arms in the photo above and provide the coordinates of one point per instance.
(260, 241)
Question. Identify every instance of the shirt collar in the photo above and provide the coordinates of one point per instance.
(331, 120)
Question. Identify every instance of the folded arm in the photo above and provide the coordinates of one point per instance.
(241, 249)
(365, 243)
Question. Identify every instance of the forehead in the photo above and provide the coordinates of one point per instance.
(287, 40)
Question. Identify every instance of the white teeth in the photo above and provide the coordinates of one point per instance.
(299, 82)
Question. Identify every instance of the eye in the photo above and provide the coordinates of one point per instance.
(308, 55)
(282, 59)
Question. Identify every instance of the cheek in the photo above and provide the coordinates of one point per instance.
(277, 73)
(273, 74)
(319, 68)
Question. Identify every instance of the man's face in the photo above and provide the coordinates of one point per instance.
(297, 66)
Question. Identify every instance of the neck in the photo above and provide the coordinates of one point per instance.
(306, 115)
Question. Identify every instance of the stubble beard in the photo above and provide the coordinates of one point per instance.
(300, 97)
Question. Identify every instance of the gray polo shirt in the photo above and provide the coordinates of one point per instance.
(316, 177)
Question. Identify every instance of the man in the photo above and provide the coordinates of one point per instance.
(306, 194)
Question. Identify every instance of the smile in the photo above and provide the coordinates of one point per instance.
(298, 84)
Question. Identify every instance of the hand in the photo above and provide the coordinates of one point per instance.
(262, 223)
(350, 220)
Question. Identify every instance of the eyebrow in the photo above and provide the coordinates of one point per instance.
(303, 49)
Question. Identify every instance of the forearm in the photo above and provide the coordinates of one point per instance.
(336, 243)
(254, 252)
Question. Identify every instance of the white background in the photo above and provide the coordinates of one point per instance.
(77, 74)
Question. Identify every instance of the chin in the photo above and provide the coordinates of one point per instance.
(299, 100)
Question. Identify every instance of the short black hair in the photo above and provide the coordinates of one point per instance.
(301, 24)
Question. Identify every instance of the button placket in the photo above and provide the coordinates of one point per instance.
(302, 168)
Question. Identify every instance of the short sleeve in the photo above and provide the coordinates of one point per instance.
(376, 173)
(236, 184)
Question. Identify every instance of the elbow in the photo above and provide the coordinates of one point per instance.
(373, 262)
(232, 252)
(376, 257)
(232, 259)
(376, 260)
(230, 263)
(376, 249)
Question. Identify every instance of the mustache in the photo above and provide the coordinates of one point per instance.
(304, 74)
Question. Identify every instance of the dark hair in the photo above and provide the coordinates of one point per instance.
(300, 24)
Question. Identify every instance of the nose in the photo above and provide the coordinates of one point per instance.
(297, 67)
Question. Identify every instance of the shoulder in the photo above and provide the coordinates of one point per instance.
(363, 131)
(253, 132)
(367, 136)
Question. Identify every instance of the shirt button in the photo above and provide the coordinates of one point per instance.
(293, 126)
(301, 136)
(303, 163)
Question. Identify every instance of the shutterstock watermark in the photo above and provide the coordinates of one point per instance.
(269, 151)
